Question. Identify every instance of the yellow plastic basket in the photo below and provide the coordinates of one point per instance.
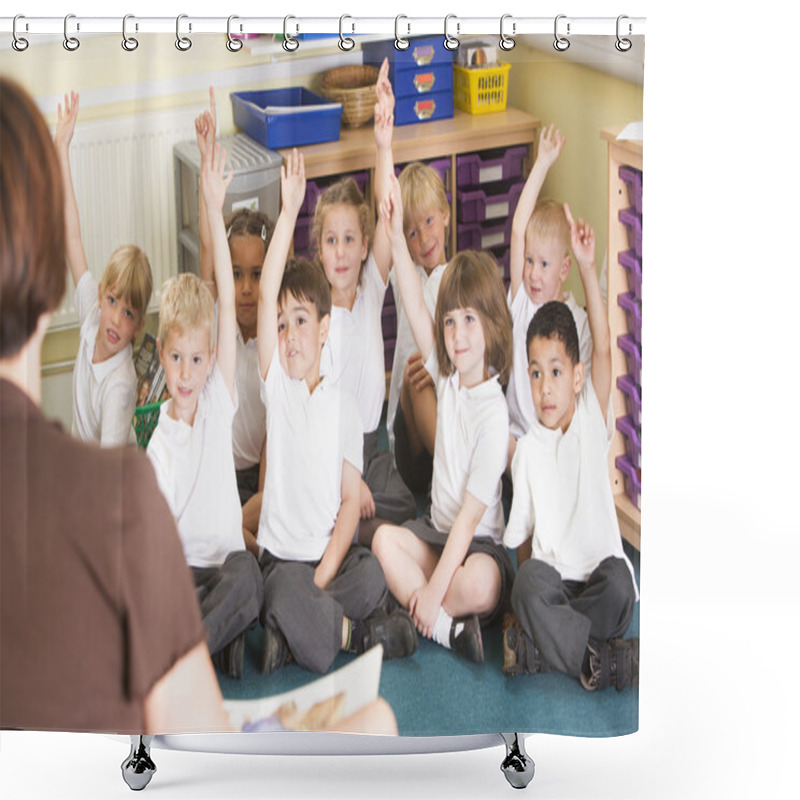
(145, 419)
(481, 90)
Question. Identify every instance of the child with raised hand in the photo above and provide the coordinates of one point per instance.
(248, 233)
(450, 569)
(111, 315)
(575, 597)
(357, 267)
(539, 265)
(191, 448)
(322, 592)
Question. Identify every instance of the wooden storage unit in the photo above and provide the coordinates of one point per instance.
(619, 153)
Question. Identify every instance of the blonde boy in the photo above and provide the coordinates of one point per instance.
(540, 263)
(411, 411)
(575, 597)
(111, 315)
(322, 593)
(191, 447)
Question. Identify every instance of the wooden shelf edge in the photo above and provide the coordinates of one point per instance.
(630, 520)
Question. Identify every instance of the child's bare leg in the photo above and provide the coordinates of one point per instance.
(474, 588)
(406, 560)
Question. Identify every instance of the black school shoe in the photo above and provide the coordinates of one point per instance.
(274, 650)
(520, 654)
(466, 639)
(395, 631)
(230, 659)
(612, 663)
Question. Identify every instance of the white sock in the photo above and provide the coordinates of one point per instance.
(441, 629)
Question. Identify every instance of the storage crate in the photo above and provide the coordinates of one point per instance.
(633, 442)
(633, 310)
(633, 355)
(481, 90)
(633, 398)
(633, 222)
(286, 117)
(633, 479)
(473, 169)
(484, 236)
(479, 205)
(423, 108)
(633, 266)
(145, 419)
(633, 178)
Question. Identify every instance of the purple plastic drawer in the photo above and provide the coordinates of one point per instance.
(633, 266)
(633, 311)
(441, 165)
(389, 322)
(633, 355)
(484, 236)
(388, 353)
(473, 169)
(633, 442)
(302, 233)
(633, 222)
(633, 178)
(502, 255)
(314, 188)
(478, 205)
(633, 398)
(633, 479)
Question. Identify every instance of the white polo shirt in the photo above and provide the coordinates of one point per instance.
(562, 492)
(521, 411)
(404, 344)
(194, 468)
(104, 394)
(309, 436)
(471, 451)
(249, 423)
(353, 354)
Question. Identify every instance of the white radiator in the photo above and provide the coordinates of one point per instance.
(123, 173)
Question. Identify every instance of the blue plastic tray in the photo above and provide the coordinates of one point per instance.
(292, 129)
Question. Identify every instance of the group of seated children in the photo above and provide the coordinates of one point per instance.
(267, 449)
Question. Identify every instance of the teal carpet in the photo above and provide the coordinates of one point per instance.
(436, 693)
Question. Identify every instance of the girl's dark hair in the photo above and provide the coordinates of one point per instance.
(33, 272)
(306, 280)
(245, 222)
(554, 320)
(472, 280)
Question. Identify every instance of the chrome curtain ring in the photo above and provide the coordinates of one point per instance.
(399, 42)
(561, 43)
(345, 42)
(290, 44)
(183, 43)
(451, 42)
(71, 43)
(234, 45)
(623, 45)
(128, 42)
(506, 42)
(19, 43)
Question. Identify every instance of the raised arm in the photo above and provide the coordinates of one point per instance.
(293, 190)
(417, 312)
(215, 183)
(582, 236)
(205, 128)
(550, 143)
(384, 164)
(65, 128)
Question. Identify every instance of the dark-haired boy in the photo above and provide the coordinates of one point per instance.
(574, 598)
(322, 593)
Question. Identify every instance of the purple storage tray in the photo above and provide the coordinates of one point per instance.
(474, 169)
(633, 178)
(484, 236)
(441, 165)
(633, 355)
(633, 441)
(315, 187)
(633, 222)
(302, 233)
(633, 480)
(633, 310)
(633, 398)
(633, 266)
(388, 353)
(479, 205)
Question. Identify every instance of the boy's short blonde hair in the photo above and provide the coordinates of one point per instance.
(549, 221)
(128, 275)
(186, 304)
(421, 189)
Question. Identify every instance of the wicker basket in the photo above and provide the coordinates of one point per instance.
(354, 87)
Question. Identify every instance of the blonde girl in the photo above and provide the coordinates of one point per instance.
(450, 569)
